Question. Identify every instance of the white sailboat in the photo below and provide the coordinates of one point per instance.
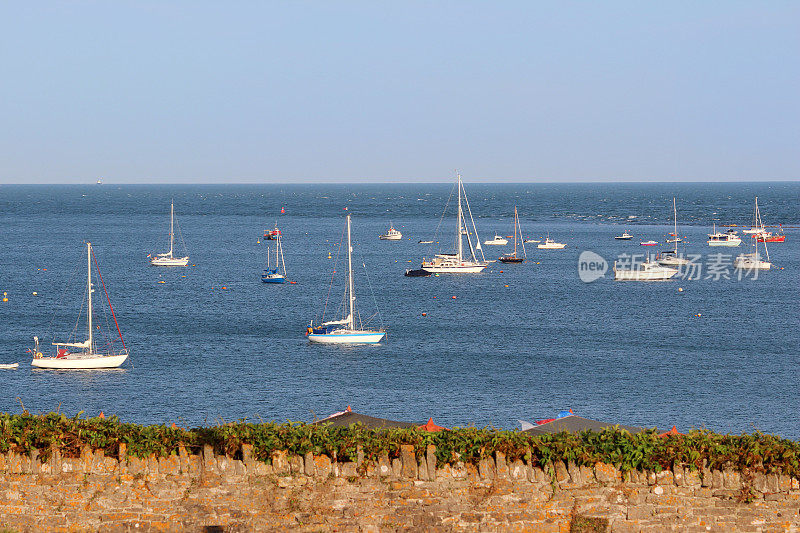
(168, 259)
(753, 260)
(457, 263)
(87, 355)
(670, 258)
(344, 331)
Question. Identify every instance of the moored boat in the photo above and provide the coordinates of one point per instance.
(513, 257)
(168, 259)
(85, 354)
(729, 238)
(624, 237)
(392, 234)
(647, 271)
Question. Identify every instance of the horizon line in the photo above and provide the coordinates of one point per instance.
(416, 182)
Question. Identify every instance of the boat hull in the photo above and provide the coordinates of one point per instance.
(551, 246)
(454, 269)
(512, 259)
(673, 261)
(279, 279)
(9, 366)
(82, 363)
(169, 261)
(729, 244)
(497, 242)
(777, 238)
(391, 237)
(355, 337)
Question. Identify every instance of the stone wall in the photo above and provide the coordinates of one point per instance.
(208, 492)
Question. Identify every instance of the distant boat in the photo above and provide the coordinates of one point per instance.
(729, 238)
(276, 274)
(550, 244)
(88, 355)
(531, 240)
(457, 263)
(168, 259)
(344, 331)
(648, 243)
(513, 257)
(272, 235)
(417, 273)
(496, 241)
(670, 258)
(624, 237)
(753, 260)
(424, 242)
(99, 181)
(647, 271)
(392, 234)
(8, 366)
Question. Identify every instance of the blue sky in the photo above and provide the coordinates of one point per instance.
(271, 91)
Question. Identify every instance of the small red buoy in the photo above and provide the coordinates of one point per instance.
(223, 288)
(293, 282)
(424, 314)
(434, 297)
(283, 210)
(453, 297)
(501, 271)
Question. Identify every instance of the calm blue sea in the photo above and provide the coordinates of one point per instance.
(518, 341)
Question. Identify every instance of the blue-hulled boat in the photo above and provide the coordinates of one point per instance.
(273, 274)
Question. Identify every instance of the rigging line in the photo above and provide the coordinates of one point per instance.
(60, 302)
(477, 238)
(330, 285)
(107, 298)
(374, 300)
(441, 218)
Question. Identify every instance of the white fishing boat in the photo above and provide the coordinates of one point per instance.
(168, 259)
(647, 271)
(497, 240)
(345, 330)
(392, 234)
(86, 354)
(729, 238)
(8, 366)
(671, 258)
(624, 237)
(550, 244)
(457, 263)
(753, 260)
(276, 274)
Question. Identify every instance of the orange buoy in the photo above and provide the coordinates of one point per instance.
(223, 288)
(453, 297)
(424, 314)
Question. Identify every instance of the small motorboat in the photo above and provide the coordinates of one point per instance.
(550, 244)
(647, 271)
(768, 236)
(424, 242)
(417, 273)
(8, 366)
(624, 237)
(498, 240)
(532, 240)
(392, 234)
(648, 243)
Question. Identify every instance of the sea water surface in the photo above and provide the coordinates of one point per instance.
(518, 342)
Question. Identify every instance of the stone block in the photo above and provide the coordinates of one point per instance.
(209, 460)
(280, 462)
(678, 474)
(772, 483)
(760, 482)
(348, 469)
(501, 467)
(409, 461)
(605, 473)
(731, 479)
(170, 465)
(518, 471)
(322, 466)
(430, 461)
(486, 468)
(397, 467)
(560, 471)
(296, 465)
(422, 468)
(640, 512)
(384, 468)
(691, 478)
(574, 473)
(665, 477)
(309, 468)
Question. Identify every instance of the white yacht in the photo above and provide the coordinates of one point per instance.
(87, 354)
(624, 237)
(550, 244)
(498, 240)
(458, 263)
(392, 234)
(729, 238)
(647, 271)
(168, 259)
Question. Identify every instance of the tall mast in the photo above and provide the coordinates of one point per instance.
(675, 212)
(350, 274)
(89, 281)
(460, 217)
(515, 231)
(171, 223)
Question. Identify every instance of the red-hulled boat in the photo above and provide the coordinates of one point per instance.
(770, 237)
(273, 234)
